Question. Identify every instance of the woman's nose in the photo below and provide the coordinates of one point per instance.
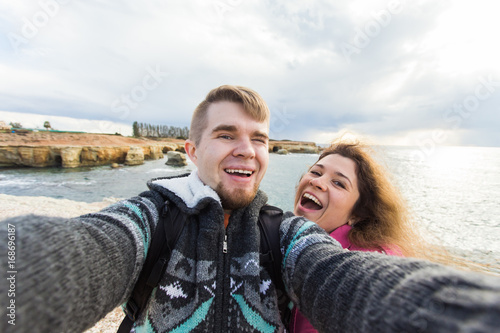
(318, 182)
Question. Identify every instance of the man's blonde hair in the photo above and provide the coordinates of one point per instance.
(252, 103)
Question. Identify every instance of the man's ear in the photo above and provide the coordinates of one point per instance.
(190, 149)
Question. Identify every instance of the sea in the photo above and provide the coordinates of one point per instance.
(453, 192)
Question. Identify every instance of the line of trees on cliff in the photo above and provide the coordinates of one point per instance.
(159, 131)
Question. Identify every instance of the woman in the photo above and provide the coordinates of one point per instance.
(349, 195)
(347, 190)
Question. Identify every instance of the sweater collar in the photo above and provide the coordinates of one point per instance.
(190, 189)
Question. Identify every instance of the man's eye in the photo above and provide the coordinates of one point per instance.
(260, 140)
(225, 136)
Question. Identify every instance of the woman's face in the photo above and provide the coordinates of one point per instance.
(327, 193)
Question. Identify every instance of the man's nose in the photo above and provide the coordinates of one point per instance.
(244, 148)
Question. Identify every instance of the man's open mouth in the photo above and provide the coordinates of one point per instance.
(309, 201)
(239, 172)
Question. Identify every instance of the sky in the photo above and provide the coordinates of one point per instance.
(420, 73)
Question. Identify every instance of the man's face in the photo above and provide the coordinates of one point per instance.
(232, 155)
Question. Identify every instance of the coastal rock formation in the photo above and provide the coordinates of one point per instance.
(294, 147)
(35, 155)
(71, 157)
(73, 149)
(102, 155)
(135, 156)
(169, 147)
(27, 156)
(176, 158)
(75, 156)
(153, 152)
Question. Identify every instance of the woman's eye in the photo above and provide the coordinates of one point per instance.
(337, 183)
(316, 173)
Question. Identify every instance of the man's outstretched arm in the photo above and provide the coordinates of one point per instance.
(69, 273)
(349, 291)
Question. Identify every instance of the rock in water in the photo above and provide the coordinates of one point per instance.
(135, 156)
(176, 158)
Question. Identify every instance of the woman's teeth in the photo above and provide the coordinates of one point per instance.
(313, 199)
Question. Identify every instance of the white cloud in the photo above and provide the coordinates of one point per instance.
(419, 61)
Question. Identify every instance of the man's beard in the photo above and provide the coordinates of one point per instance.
(237, 198)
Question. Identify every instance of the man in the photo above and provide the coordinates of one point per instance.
(71, 273)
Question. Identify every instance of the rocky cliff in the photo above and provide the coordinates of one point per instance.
(294, 147)
(73, 156)
(45, 149)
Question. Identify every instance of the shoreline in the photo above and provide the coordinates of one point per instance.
(13, 205)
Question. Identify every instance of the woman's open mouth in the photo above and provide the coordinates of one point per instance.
(309, 201)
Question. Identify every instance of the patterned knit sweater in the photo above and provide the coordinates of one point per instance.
(207, 288)
(71, 273)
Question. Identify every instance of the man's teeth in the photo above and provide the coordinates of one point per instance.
(313, 199)
(245, 172)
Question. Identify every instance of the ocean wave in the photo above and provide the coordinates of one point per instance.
(86, 183)
(158, 170)
(24, 182)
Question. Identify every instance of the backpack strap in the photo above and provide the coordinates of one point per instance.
(270, 255)
(169, 227)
